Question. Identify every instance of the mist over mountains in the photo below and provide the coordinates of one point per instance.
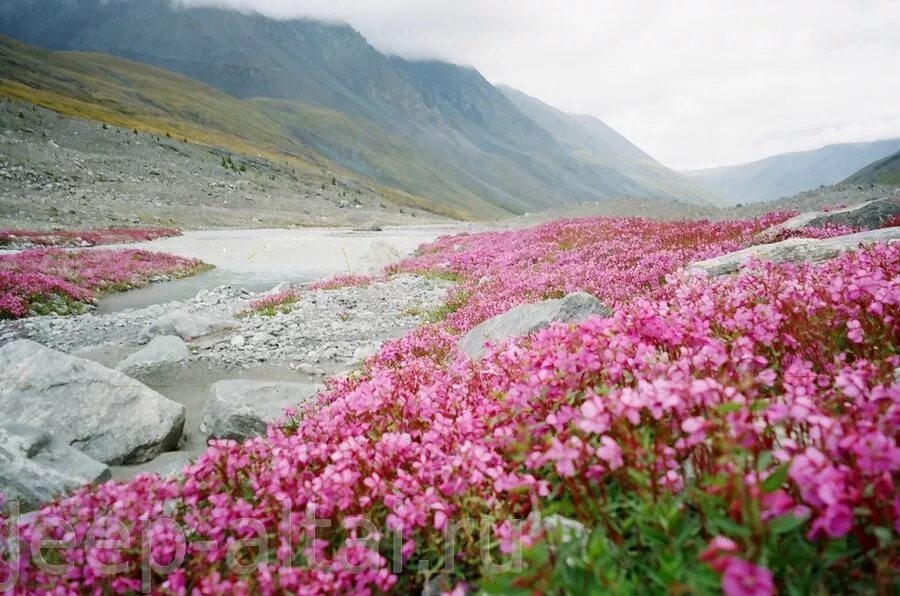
(426, 127)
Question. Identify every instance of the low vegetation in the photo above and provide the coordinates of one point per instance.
(56, 281)
(271, 305)
(734, 433)
(76, 238)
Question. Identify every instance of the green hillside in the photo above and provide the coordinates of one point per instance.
(884, 171)
(131, 95)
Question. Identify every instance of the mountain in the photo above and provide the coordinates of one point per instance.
(135, 96)
(790, 173)
(592, 140)
(883, 172)
(427, 127)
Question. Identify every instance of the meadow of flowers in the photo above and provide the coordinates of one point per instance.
(53, 280)
(735, 434)
(60, 238)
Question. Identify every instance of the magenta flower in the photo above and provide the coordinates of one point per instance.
(742, 578)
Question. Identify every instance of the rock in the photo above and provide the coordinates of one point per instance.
(163, 349)
(528, 318)
(108, 416)
(370, 227)
(185, 325)
(362, 353)
(168, 465)
(794, 250)
(238, 341)
(868, 216)
(242, 409)
(36, 467)
(381, 254)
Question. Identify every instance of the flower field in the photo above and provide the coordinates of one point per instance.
(44, 281)
(76, 238)
(734, 434)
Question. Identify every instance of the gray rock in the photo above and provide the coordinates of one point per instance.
(241, 409)
(163, 349)
(186, 326)
(105, 414)
(528, 318)
(794, 250)
(867, 216)
(36, 467)
(168, 465)
(381, 254)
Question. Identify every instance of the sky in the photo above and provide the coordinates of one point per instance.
(694, 83)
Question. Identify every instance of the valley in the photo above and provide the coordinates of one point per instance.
(284, 310)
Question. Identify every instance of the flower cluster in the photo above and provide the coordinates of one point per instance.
(738, 432)
(33, 238)
(40, 281)
(272, 304)
(341, 281)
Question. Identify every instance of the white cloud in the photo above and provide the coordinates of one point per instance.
(694, 83)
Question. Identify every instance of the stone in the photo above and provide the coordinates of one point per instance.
(185, 325)
(36, 467)
(794, 250)
(165, 349)
(241, 409)
(107, 415)
(380, 255)
(168, 465)
(867, 216)
(529, 318)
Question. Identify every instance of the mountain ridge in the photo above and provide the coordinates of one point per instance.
(885, 172)
(474, 141)
(787, 174)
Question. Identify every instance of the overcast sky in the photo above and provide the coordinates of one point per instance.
(694, 83)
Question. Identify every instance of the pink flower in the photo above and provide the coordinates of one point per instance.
(564, 455)
(854, 331)
(610, 452)
(718, 551)
(836, 521)
(742, 578)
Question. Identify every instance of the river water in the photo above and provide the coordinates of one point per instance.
(261, 259)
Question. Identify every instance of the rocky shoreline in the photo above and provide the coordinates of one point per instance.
(182, 351)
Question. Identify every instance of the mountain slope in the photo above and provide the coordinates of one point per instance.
(790, 173)
(451, 134)
(884, 172)
(592, 140)
(122, 93)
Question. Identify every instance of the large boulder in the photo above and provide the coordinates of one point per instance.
(528, 318)
(36, 467)
(109, 416)
(867, 216)
(185, 325)
(794, 250)
(242, 409)
(380, 255)
(165, 349)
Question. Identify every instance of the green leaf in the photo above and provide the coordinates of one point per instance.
(786, 523)
(776, 478)
(729, 407)
(764, 461)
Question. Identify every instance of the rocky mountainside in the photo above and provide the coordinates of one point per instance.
(422, 126)
(791, 173)
(884, 171)
(57, 171)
